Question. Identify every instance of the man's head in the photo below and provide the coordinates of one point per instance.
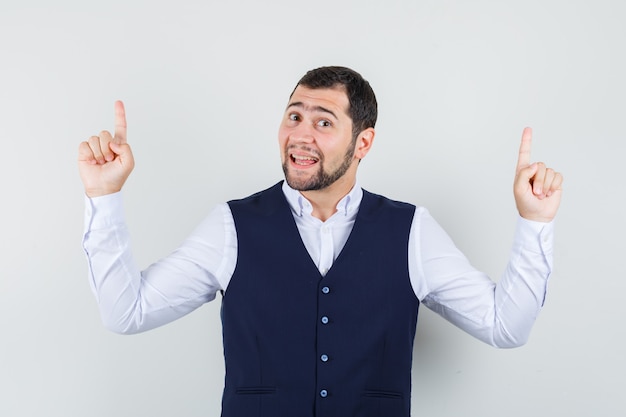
(328, 127)
(363, 108)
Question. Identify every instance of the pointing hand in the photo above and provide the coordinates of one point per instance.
(106, 161)
(537, 189)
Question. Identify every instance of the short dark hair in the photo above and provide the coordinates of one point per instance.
(363, 106)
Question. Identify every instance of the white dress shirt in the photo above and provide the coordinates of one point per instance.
(131, 300)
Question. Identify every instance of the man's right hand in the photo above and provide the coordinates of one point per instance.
(106, 161)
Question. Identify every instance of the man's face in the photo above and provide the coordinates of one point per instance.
(315, 138)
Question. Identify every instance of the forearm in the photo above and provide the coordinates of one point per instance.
(521, 292)
(113, 276)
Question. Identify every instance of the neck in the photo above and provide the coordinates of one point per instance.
(325, 201)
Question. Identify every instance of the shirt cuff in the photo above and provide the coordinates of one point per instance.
(537, 237)
(104, 211)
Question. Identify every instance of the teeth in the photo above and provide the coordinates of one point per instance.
(303, 158)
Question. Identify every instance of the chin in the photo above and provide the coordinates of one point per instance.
(299, 180)
(302, 184)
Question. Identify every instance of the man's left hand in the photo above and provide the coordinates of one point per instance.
(537, 188)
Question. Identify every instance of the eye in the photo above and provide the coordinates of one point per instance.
(324, 123)
(293, 117)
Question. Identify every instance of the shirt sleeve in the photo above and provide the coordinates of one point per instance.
(501, 314)
(131, 300)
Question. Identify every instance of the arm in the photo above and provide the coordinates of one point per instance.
(131, 300)
(499, 314)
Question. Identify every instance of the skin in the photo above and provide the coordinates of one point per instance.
(315, 140)
(537, 189)
(105, 161)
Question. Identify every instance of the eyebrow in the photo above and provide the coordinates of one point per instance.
(313, 108)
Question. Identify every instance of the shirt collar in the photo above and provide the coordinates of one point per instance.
(348, 205)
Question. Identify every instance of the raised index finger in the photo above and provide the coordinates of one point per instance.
(523, 159)
(120, 123)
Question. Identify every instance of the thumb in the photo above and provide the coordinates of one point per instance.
(524, 177)
(121, 149)
(525, 174)
(124, 153)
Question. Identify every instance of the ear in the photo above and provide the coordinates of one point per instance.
(364, 142)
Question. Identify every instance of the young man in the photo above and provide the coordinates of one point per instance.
(321, 280)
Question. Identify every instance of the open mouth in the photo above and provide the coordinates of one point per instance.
(303, 160)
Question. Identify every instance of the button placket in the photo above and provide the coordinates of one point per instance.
(323, 342)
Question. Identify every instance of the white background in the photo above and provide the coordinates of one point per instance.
(205, 84)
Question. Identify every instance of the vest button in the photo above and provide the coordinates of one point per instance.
(325, 290)
(324, 320)
(323, 393)
(324, 358)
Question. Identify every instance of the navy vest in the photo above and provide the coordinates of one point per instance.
(297, 344)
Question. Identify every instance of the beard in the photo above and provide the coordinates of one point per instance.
(321, 179)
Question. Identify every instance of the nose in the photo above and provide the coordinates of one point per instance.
(303, 133)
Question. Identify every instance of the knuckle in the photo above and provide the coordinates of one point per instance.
(94, 144)
(105, 135)
(84, 149)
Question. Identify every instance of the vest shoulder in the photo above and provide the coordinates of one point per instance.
(271, 191)
(381, 200)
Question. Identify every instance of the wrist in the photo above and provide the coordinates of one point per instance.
(99, 192)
